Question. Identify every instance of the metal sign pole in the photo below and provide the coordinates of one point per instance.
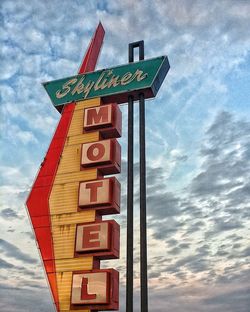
(143, 216)
(143, 212)
(130, 208)
(130, 198)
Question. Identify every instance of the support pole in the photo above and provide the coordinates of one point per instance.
(130, 208)
(130, 186)
(143, 210)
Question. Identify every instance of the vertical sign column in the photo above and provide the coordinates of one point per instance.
(79, 197)
(99, 289)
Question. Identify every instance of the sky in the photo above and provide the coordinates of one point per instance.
(198, 143)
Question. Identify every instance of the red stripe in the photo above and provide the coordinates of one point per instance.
(91, 56)
(38, 200)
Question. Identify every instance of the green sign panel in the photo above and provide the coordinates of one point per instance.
(112, 84)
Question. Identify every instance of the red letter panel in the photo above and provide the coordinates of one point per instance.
(95, 290)
(106, 118)
(105, 155)
(98, 239)
(102, 195)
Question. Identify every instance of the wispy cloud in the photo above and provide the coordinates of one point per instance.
(12, 251)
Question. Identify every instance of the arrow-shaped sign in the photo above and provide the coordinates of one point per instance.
(38, 205)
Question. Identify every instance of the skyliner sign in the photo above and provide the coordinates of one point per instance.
(146, 76)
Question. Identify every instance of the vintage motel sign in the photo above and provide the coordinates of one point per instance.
(71, 192)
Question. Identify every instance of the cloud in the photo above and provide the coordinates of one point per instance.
(24, 300)
(225, 173)
(17, 136)
(223, 224)
(5, 265)
(7, 71)
(9, 213)
(163, 205)
(12, 251)
(199, 216)
(234, 300)
(21, 271)
(162, 229)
